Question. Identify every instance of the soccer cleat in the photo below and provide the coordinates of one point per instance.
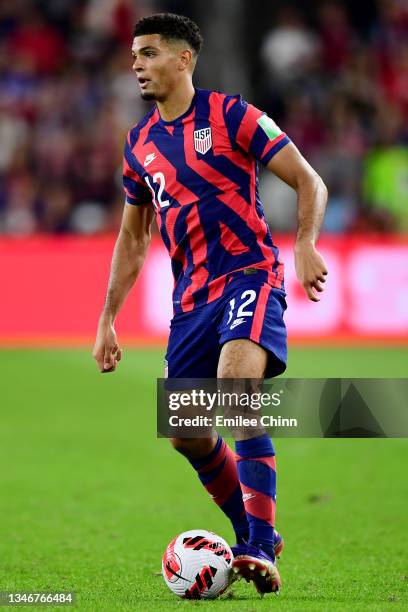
(279, 543)
(252, 563)
(278, 546)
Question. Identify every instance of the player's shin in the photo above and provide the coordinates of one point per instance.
(257, 476)
(218, 473)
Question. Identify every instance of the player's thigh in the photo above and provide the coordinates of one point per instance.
(193, 348)
(242, 358)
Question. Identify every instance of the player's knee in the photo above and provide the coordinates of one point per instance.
(236, 370)
(230, 371)
(194, 448)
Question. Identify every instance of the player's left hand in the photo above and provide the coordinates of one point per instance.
(311, 269)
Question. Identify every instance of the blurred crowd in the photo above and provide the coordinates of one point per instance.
(342, 96)
(68, 96)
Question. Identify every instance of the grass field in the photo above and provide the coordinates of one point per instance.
(89, 497)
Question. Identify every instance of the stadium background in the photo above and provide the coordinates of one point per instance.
(83, 478)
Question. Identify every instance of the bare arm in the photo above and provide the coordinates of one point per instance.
(290, 166)
(127, 261)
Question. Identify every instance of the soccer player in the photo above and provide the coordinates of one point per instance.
(191, 162)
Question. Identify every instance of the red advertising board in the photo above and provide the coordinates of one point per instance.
(53, 290)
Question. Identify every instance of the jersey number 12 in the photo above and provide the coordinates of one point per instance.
(158, 178)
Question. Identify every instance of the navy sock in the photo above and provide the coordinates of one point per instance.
(257, 476)
(218, 473)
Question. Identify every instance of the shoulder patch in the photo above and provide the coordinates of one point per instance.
(269, 127)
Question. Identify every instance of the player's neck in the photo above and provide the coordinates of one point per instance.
(177, 103)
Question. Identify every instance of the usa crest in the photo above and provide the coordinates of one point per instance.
(202, 140)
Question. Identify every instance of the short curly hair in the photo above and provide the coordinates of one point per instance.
(171, 27)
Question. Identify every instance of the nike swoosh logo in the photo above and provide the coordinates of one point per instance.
(247, 496)
(236, 323)
(149, 159)
(171, 570)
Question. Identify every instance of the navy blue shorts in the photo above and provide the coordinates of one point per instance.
(249, 308)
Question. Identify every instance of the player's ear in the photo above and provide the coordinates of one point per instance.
(185, 59)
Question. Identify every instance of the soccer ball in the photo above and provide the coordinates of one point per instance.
(197, 565)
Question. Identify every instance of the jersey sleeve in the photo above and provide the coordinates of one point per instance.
(136, 190)
(252, 130)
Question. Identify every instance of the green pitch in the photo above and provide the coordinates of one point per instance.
(89, 497)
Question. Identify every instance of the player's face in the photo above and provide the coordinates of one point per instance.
(156, 64)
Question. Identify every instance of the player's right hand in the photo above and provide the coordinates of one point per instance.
(106, 352)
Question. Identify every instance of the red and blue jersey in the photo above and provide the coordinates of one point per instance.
(200, 173)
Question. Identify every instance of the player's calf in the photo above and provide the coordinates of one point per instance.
(194, 448)
(216, 468)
